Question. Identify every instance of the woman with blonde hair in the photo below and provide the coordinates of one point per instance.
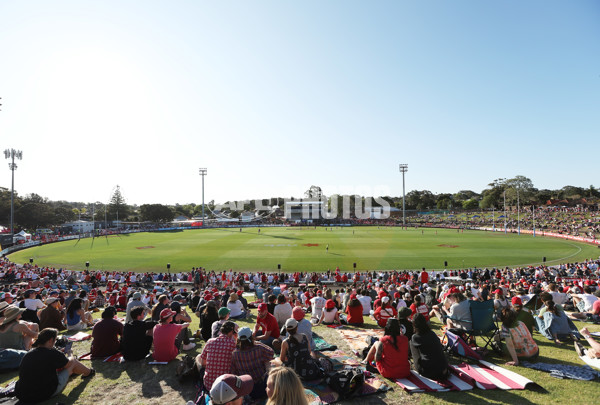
(284, 388)
(236, 307)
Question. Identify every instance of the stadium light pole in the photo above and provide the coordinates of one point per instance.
(203, 173)
(12, 154)
(403, 169)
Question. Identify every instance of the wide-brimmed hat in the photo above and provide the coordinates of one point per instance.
(51, 300)
(3, 306)
(11, 313)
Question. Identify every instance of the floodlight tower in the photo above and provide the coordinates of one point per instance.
(403, 169)
(203, 173)
(12, 154)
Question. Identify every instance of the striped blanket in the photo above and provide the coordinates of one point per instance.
(485, 376)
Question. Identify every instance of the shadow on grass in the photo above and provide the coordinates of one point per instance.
(75, 393)
(481, 397)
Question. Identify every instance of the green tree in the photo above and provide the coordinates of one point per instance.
(156, 213)
(470, 204)
(117, 207)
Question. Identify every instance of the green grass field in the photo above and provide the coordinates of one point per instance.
(304, 249)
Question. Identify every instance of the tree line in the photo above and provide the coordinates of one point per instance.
(33, 211)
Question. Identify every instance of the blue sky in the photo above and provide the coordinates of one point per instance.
(273, 97)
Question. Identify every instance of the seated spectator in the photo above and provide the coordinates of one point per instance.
(285, 388)
(406, 325)
(266, 329)
(100, 300)
(164, 335)
(106, 334)
(419, 307)
(137, 336)
(584, 302)
(181, 316)
(252, 358)
(235, 307)
(217, 354)
(282, 311)
(523, 314)
(330, 316)
(554, 323)
(297, 354)
(31, 304)
(354, 311)
(223, 317)
(230, 389)
(427, 352)
(518, 343)
(38, 376)
(163, 302)
(52, 316)
(500, 302)
(384, 312)
(15, 333)
(208, 316)
(459, 314)
(317, 304)
(594, 351)
(77, 318)
(136, 301)
(391, 352)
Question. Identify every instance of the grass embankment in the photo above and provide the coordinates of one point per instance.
(140, 383)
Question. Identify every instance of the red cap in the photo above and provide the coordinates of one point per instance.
(319, 292)
(239, 293)
(381, 294)
(165, 313)
(353, 296)
(330, 304)
(208, 297)
(396, 294)
(498, 291)
(262, 307)
(517, 301)
(298, 313)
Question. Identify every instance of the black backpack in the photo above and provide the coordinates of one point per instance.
(346, 382)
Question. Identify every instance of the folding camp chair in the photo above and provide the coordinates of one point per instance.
(483, 325)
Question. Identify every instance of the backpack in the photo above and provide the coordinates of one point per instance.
(346, 382)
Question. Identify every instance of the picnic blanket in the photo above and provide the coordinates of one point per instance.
(565, 370)
(115, 357)
(79, 336)
(321, 345)
(340, 360)
(357, 338)
(485, 376)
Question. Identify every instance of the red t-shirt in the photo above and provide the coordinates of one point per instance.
(164, 341)
(422, 309)
(394, 362)
(355, 314)
(382, 315)
(596, 307)
(269, 323)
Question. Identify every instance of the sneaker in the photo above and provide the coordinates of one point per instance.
(579, 349)
(91, 374)
(189, 346)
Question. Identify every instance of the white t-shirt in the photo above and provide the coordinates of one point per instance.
(317, 303)
(329, 316)
(33, 304)
(365, 301)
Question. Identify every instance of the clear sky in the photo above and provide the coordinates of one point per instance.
(275, 96)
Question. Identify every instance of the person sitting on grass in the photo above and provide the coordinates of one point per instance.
(223, 314)
(53, 315)
(518, 343)
(406, 325)
(523, 314)
(594, 351)
(38, 376)
(216, 355)
(106, 335)
(208, 316)
(15, 333)
(137, 335)
(266, 329)
(236, 307)
(230, 389)
(285, 388)
(164, 335)
(384, 312)
(297, 354)
(391, 352)
(419, 307)
(354, 311)
(554, 322)
(77, 318)
(331, 315)
(181, 316)
(427, 352)
(252, 358)
(282, 311)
